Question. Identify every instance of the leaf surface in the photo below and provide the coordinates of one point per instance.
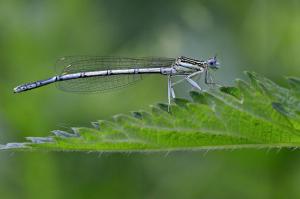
(259, 114)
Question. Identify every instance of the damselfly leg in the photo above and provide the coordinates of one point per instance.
(169, 92)
(188, 78)
(192, 82)
(209, 80)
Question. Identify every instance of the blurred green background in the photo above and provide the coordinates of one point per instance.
(259, 35)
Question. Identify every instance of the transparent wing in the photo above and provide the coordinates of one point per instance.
(75, 64)
(97, 84)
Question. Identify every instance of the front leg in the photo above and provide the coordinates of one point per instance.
(209, 80)
(207, 76)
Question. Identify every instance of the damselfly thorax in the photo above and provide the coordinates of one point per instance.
(186, 65)
(96, 74)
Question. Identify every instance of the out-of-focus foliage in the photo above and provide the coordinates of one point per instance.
(259, 115)
(255, 35)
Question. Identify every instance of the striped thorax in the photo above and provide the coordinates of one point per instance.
(189, 65)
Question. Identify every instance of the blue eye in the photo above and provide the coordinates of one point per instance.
(213, 63)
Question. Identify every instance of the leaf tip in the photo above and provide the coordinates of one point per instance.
(13, 146)
(294, 82)
(96, 125)
(279, 108)
(137, 115)
(181, 102)
(63, 134)
(40, 140)
(199, 97)
(163, 106)
(233, 91)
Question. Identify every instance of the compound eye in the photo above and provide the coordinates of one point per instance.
(212, 62)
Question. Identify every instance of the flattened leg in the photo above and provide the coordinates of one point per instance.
(193, 83)
(172, 92)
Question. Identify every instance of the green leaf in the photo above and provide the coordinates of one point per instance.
(250, 115)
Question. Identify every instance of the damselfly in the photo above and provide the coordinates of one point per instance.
(94, 74)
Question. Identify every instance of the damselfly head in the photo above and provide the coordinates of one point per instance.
(213, 63)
